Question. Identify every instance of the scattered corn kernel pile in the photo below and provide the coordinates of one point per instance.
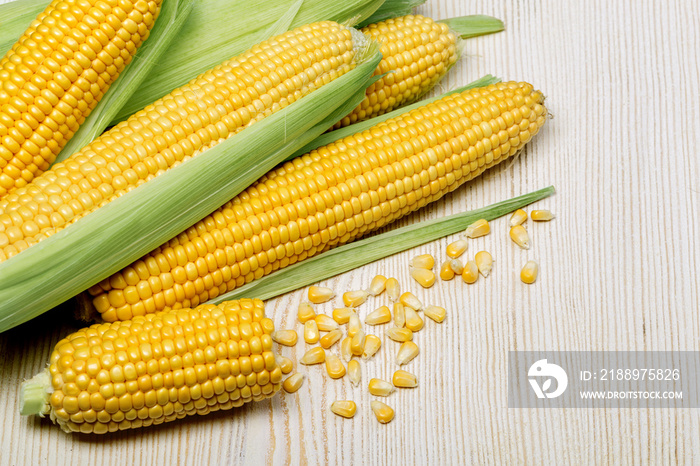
(338, 340)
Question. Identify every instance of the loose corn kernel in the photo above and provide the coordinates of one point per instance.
(320, 294)
(541, 215)
(518, 217)
(400, 334)
(484, 262)
(519, 235)
(286, 364)
(293, 383)
(285, 337)
(424, 277)
(383, 412)
(457, 266)
(408, 299)
(470, 273)
(529, 272)
(354, 324)
(413, 321)
(407, 352)
(334, 366)
(424, 261)
(479, 228)
(305, 312)
(330, 338)
(379, 387)
(357, 344)
(345, 349)
(381, 315)
(354, 372)
(403, 379)
(393, 289)
(311, 334)
(342, 314)
(456, 248)
(315, 355)
(399, 315)
(344, 408)
(446, 272)
(377, 286)
(372, 345)
(436, 313)
(325, 323)
(355, 298)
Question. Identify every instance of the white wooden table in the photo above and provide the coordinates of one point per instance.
(618, 271)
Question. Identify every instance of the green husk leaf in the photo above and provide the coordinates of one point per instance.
(173, 15)
(474, 25)
(392, 9)
(115, 235)
(220, 29)
(282, 24)
(15, 18)
(341, 133)
(358, 253)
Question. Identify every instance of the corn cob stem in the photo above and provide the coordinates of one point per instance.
(353, 255)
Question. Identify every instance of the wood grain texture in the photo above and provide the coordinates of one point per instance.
(618, 272)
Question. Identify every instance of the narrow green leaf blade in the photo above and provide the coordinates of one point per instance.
(15, 18)
(474, 25)
(392, 9)
(358, 253)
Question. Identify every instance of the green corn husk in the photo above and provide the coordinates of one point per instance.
(349, 130)
(123, 230)
(474, 25)
(392, 9)
(361, 252)
(15, 18)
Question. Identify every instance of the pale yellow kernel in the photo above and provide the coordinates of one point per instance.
(377, 286)
(424, 277)
(334, 366)
(479, 228)
(435, 313)
(408, 299)
(355, 298)
(320, 294)
(424, 261)
(381, 315)
(305, 312)
(519, 235)
(400, 334)
(311, 333)
(344, 408)
(529, 272)
(315, 355)
(286, 365)
(379, 387)
(354, 372)
(404, 379)
(345, 349)
(342, 314)
(541, 215)
(457, 266)
(285, 337)
(357, 344)
(413, 321)
(407, 352)
(446, 272)
(393, 289)
(470, 273)
(456, 248)
(383, 412)
(330, 338)
(399, 315)
(372, 345)
(484, 262)
(354, 324)
(293, 383)
(518, 217)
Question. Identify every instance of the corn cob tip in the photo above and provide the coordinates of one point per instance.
(34, 395)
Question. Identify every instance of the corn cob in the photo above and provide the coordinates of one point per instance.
(329, 197)
(56, 73)
(192, 119)
(157, 368)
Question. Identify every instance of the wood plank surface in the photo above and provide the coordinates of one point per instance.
(618, 271)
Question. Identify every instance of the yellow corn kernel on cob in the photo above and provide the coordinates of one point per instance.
(330, 196)
(55, 74)
(157, 368)
(211, 108)
(416, 53)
